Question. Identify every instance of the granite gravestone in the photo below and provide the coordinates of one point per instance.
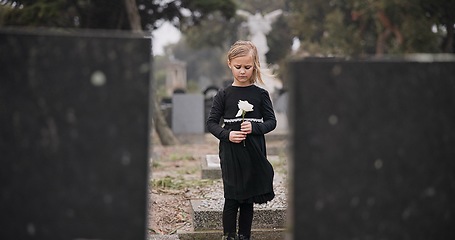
(188, 114)
(74, 135)
(373, 149)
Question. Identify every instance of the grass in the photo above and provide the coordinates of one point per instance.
(189, 170)
(178, 183)
(177, 156)
(156, 164)
(281, 165)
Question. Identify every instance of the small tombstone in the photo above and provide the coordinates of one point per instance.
(188, 114)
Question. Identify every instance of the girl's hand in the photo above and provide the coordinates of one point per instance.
(237, 136)
(246, 127)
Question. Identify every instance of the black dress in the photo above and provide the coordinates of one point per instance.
(246, 172)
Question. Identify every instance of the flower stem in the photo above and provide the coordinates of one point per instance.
(243, 120)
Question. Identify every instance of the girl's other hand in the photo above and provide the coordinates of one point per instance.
(237, 136)
(246, 127)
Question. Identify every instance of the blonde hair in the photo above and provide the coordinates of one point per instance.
(243, 48)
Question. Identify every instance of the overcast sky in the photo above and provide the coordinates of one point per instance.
(164, 35)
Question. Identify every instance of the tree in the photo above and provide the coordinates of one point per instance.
(443, 14)
(280, 40)
(109, 14)
(215, 31)
(373, 27)
(165, 134)
(112, 14)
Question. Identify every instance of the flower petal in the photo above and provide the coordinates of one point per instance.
(245, 106)
(239, 113)
(248, 107)
(241, 104)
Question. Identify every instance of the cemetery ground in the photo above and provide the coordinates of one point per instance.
(175, 179)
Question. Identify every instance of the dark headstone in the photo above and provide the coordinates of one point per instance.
(373, 149)
(74, 135)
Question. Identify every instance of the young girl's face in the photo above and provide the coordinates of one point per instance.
(242, 70)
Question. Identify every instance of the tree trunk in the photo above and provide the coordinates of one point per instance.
(448, 40)
(162, 129)
(133, 15)
(389, 28)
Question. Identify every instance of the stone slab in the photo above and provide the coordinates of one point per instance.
(210, 218)
(165, 237)
(373, 148)
(260, 234)
(74, 134)
(210, 167)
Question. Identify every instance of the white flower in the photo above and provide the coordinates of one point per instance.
(244, 106)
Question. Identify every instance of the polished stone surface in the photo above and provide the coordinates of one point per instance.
(74, 134)
(373, 148)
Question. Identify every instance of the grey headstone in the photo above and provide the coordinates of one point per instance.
(74, 135)
(373, 148)
(188, 114)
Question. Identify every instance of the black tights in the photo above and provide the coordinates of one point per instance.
(231, 207)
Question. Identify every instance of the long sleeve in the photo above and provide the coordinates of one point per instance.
(268, 116)
(216, 112)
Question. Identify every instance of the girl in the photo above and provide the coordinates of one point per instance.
(246, 172)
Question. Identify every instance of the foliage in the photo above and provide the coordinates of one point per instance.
(355, 27)
(330, 27)
(173, 183)
(442, 13)
(36, 13)
(108, 14)
(215, 31)
(280, 41)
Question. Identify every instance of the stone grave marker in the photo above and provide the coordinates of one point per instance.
(373, 148)
(74, 140)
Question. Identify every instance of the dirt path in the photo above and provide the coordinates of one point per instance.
(176, 178)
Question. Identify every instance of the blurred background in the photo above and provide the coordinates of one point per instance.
(204, 29)
(189, 40)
